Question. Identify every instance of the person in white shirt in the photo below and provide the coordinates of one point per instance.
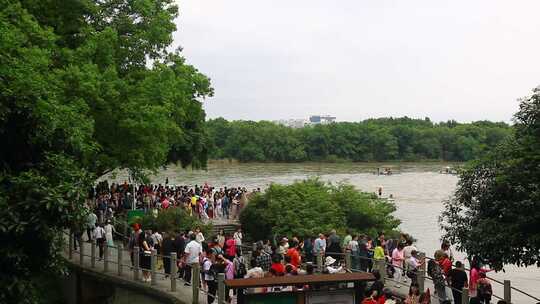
(238, 236)
(109, 229)
(209, 277)
(199, 237)
(329, 262)
(407, 252)
(192, 253)
(99, 235)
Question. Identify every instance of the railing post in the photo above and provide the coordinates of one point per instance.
(381, 266)
(221, 288)
(93, 254)
(70, 250)
(465, 296)
(81, 252)
(136, 263)
(173, 271)
(120, 254)
(153, 260)
(421, 274)
(195, 281)
(105, 258)
(348, 260)
(319, 261)
(507, 291)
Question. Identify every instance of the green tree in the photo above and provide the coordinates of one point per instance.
(306, 208)
(86, 87)
(495, 212)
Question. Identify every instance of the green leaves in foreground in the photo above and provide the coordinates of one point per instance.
(495, 213)
(309, 207)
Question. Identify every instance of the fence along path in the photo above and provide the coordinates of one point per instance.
(117, 262)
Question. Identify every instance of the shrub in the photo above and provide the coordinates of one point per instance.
(306, 208)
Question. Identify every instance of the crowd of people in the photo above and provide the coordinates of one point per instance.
(276, 257)
(203, 201)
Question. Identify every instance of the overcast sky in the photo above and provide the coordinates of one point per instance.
(355, 59)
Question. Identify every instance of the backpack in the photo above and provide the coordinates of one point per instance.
(240, 270)
(483, 288)
(211, 272)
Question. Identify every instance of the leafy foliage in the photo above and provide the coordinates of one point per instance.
(172, 220)
(309, 207)
(86, 87)
(495, 213)
(370, 140)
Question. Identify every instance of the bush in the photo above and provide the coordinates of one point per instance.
(172, 220)
(306, 208)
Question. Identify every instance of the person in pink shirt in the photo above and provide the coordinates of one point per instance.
(397, 262)
(474, 276)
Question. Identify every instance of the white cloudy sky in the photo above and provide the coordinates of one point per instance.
(445, 59)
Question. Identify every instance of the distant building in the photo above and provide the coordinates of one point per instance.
(292, 123)
(321, 119)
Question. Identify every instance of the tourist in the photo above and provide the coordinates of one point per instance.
(238, 237)
(294, 254)
(220, 238)
(346, 240)
(457, 278)
(109, 230)
(371, 299)
(91, 221)
(331, 266)
(192, 253)
(407, 251)
(413, 264)
(167, 248)
(180, 246)
(209, 277)
(413, 297)
(240, 268)
(484, 290)
(319, 247)
(445, 246)
(199, 237)
(444, 261)
(397, 262)
(230, 248)
(435, 272)
(353, 247)
(99, 236)
(145, 254)
(255, 271)
(364, 254)
(474, 276)
(263, 259)
(277, 267)
(333, 246)
(308, 249)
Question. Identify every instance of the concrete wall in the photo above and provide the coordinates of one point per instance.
(84, 286)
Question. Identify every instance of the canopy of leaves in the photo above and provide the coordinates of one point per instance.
(309, 207)
(495, 213)
(369, 140)
(86, 87)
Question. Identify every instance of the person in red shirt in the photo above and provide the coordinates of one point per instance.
(277, 268)
(294, 254)
(444, 262)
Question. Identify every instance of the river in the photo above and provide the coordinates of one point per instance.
(418, 188)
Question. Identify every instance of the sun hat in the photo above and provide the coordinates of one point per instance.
(329, 261)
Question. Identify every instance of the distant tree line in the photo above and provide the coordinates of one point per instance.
(382, 139)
